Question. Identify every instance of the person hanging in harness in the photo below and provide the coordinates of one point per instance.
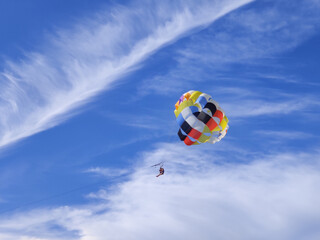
(161, 171)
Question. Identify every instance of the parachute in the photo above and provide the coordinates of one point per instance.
(200, 118)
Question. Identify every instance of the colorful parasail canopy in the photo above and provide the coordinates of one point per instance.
(200, 119)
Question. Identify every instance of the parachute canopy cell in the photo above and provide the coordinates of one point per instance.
(200, 118)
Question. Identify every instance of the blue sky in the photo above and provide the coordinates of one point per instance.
(87, 93)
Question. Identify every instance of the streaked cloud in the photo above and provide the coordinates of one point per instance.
(254, 36)
(270, 197)
(259, 108)
(294, 135)
(245, 187)
(76, 64)
(107, 172)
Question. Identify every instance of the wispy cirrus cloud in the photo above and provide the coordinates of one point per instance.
(271, 197)
(293, 135)
(260, 32)
(107, 172)
(263, 107)
(76, 64)
(253, 36)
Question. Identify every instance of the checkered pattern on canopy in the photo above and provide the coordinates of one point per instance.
(200, 118)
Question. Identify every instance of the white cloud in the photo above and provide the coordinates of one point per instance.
(294, 135)
(41, 90)
(107, 172)
(259, 108)
(201, 196)
(241, 108)
(252, 36)
(101, 194)
(257, 32)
